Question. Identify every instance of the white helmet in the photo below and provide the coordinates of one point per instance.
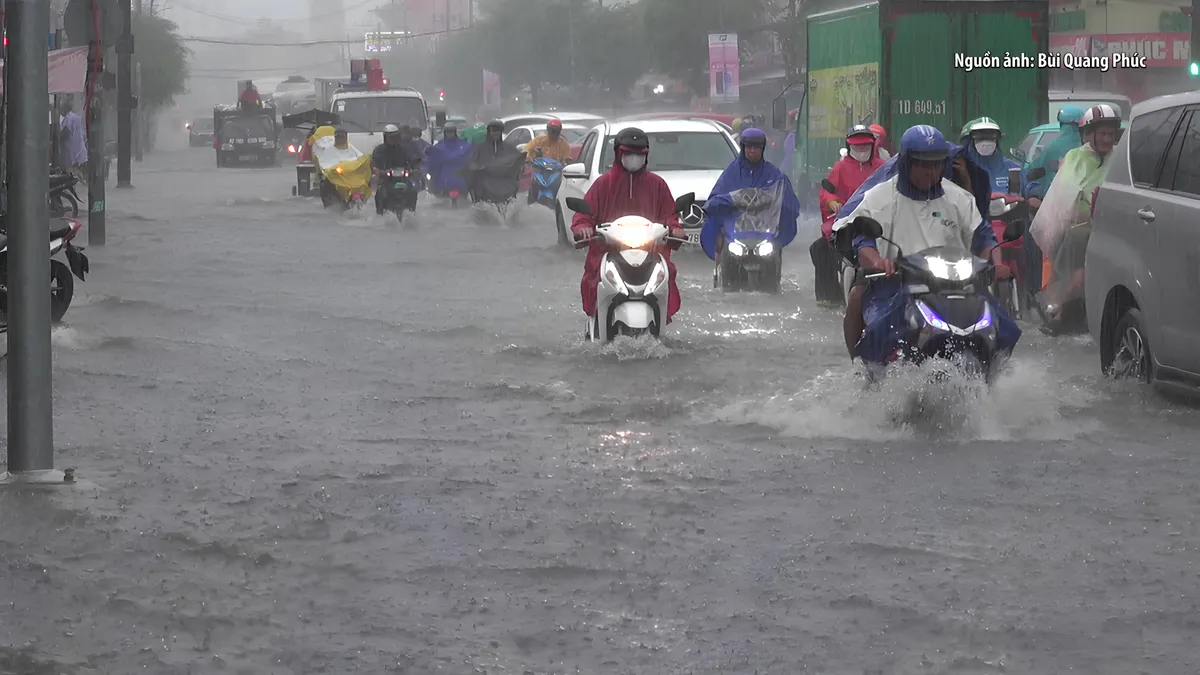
(1098, 114)
(391, 129)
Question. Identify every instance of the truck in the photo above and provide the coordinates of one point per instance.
(245, 135)
(899, 63)
(366, 103)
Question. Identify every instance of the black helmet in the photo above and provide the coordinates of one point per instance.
(450, 128)
(860, 130)
(495, 124)
(632, 138)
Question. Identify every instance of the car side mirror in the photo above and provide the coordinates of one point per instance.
(1018, 154)
(576, 170)
(439, 118)
(1014, 231)
(685, 202)
(521, 147)
(579, 206)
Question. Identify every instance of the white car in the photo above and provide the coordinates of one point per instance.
(689, 154)
(519, 136)
(539, 119)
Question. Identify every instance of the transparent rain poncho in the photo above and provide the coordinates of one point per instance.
(758, 209)
(1063, 225)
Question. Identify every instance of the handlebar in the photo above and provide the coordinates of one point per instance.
(581, 243)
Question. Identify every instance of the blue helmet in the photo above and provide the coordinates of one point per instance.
(1070, 114)
(752, 136)
(924, 142)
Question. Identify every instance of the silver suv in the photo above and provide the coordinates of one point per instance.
(1143, 259)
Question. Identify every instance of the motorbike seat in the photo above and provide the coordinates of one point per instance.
(60, 232)
(61, 180)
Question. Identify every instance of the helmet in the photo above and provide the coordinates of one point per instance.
(1100, 114)
(1070, 114)
(450, 128)
(924, 142)
(859, 134)
(391, 129)
(877, 130)
(737, 125)
(554, 124)
(752, 136)
(979, 124)
(495, 125)
(632, 139)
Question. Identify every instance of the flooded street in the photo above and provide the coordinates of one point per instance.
(330, 444)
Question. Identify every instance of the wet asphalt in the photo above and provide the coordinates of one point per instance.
(328, 444)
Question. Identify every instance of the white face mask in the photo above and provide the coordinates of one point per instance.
(862, 155)
(985, 148)
(633, 163)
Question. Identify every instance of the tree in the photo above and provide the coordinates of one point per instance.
(680, 28)
(164, 60)
(611, 47)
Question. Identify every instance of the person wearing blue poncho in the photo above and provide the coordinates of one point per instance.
(981, 138)
(749, 170)
(1052, 156)
(444, 162)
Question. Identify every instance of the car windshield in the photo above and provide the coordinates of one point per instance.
(203, 124)
(574, 136)
(683, 151)
(1045, 140)
(373, 113)
(247, 127)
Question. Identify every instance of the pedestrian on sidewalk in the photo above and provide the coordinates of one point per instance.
(72, 141)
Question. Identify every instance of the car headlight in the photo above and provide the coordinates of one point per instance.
(292, 149)
(613, 276)
(764, 248)
(737, 248)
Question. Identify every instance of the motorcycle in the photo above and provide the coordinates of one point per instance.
(634, 282)
(64, 201)
(1004, 210)
(947, 318)
(751, 259)
(547, 177)
(62, 286)
(398, 190)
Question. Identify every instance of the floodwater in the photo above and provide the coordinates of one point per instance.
(328, 444)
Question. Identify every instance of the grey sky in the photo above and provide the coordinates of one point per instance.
(217, 17)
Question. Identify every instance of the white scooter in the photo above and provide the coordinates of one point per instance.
(631, 297)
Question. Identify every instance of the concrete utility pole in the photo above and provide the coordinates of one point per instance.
(125, 99)
(97, 152)
(30, 419)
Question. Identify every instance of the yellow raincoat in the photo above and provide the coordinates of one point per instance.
(347, 169)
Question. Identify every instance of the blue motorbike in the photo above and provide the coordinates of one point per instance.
(751, 259)
(547, 178)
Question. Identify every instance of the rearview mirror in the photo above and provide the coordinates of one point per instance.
(576, 170)
(521, 147)
(865, 226)
(579, 206)
(439, 118)
(779, 114)
(685, 202)
(828, 186)
(1014, 231)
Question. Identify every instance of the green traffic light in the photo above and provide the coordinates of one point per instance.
(1194, 69)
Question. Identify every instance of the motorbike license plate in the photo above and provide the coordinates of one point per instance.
(693, 238)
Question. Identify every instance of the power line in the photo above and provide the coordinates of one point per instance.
(243, 19)
(311, 43)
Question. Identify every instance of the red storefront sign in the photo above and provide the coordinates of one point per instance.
(1160, 49)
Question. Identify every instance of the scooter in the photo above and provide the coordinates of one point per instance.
(62, 286)
(946, 317)
(547, 177)
(634, 282)
(1005, 210)
(399, 189)
(64, 201)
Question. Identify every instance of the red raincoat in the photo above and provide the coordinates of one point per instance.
(847, 175)
(619, 193)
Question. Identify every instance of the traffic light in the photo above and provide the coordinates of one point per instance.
(442, 95)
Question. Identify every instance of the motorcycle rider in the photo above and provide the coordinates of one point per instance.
(918, 209)
(1052, 155)
(395, 152)
(551, 144)
(981, 136)
(492, 154)
(626, 189)
(444, 160)
(880, 141)
(1062, 226)
(847, 175)
(749, 170)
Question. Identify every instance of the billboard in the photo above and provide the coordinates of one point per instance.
(724, 63)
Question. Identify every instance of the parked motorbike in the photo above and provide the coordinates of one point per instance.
(631, 297)
(62, 286)
(948, 319)
(63, 199)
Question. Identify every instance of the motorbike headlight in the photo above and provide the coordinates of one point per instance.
(657, 279)
(613, 276)
(959, 270)
(737, 248)
(984, 321)
(292, 149)
(429, 177)
(764, 248)
(931, 317)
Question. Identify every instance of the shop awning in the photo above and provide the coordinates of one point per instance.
(67, 70)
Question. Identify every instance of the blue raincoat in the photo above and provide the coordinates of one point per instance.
(1068, 139)
(886, 300)
(444, 162)
(996, 166)
(720, 214)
